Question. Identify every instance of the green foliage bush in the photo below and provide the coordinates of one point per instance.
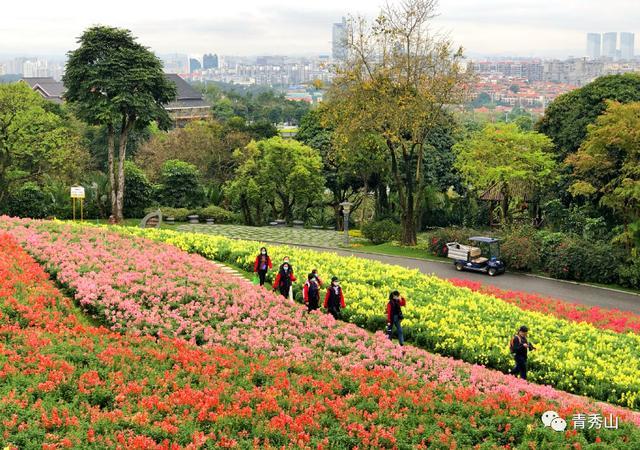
(581, 260)
(138, 191)
(179, 214)
(629, 273)
(180, 185)
(218, 214)
(381, 231)
(520, 249)
(28, 201)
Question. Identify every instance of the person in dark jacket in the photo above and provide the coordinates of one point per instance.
(334, 299)
(262, 265)
(394, 315)
(284, 280)
(520, 347)
(311, 292)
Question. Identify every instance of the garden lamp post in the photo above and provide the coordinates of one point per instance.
(346, 207)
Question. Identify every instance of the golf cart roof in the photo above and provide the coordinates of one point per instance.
(488, 240)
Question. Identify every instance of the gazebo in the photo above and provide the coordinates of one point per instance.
(501, 193)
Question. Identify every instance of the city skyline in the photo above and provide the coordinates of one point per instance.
(492, 28)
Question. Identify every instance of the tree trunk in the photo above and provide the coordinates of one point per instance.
(122, 154)
(505, 204)
(112, 177)
(408, 218)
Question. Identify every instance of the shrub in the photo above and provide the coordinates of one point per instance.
(218, 214)
(521, 249)
(382, 231)
(629, 273)
(180, 185)
(581, 260)
(138, 191)
(179, 214)
(438, 239)
(28, 201)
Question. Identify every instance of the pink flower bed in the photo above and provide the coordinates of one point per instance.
(609, 319)
(152, 288)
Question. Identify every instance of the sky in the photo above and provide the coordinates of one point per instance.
(529, 28)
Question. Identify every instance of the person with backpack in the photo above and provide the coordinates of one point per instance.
(519, 347)
(262, 265)
(394, 315)
(284, 279)
(311, 292)
(334, 299)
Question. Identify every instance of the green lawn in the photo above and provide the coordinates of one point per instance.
(397, 250)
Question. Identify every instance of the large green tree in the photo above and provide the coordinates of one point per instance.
(113, 81)
(284, 174)
(36, 145)
(607, 166)
(566, 119)
(398, 82)
(503, 155)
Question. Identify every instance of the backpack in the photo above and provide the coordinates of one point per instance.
(512, 344)
(313, 289)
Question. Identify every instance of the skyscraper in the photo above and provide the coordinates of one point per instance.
(210, 61)
(627, 45)
(594, 44)
(609, 45)
(338, 40)
(194, 65)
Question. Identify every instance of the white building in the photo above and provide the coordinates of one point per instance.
(610, 45)
(627, 46)
(594, 45)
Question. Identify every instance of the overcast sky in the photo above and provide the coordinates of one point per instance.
(250, 27)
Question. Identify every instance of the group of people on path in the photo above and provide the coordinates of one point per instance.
(334, 302)
(333, 298)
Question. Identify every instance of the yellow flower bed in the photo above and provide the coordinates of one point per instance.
(576, 357)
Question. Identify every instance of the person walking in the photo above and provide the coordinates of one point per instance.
(334, 299)
(520, 347)
(284, 280)
(311, 292)
(262, 265)
(394, 315)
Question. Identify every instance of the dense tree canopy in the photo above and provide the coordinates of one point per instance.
(35, 144)
(566, 119)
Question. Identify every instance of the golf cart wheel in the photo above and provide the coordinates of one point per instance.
(459, 267)
(492, 272)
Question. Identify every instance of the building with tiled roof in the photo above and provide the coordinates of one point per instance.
(188, 105)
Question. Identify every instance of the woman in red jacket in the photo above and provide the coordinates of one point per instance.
(284, 280)
(334, 300)
(262, 264)
(394, 315)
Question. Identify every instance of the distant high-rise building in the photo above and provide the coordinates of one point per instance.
(338, 40)
(194, 65)
(609, 45)
(210, 61)
(594, 44)
(627, 45)
(175, 63)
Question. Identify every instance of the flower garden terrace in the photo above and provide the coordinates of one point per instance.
(354, 374)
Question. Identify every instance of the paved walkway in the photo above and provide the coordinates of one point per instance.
(302, 236)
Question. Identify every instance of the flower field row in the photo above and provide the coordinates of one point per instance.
(440, 317)
(615, 320)
(68, 384)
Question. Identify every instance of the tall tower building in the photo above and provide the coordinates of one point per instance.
(210, 61)
(627, 45)
(609, 44)
(338, 40)
(594, 44)
(194, 65)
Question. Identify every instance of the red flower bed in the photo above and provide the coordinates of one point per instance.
(610, 319)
